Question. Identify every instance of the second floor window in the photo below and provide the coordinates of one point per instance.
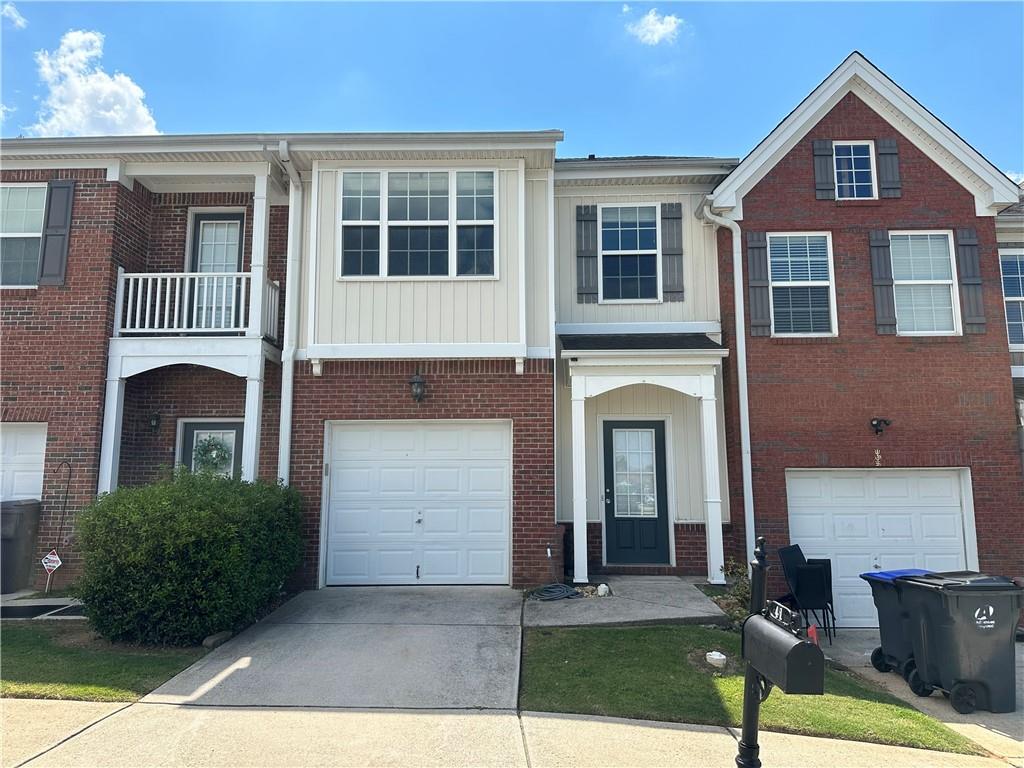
(924, 283)
(629, 253)
(855, 170)
(21, 230)
(1011, 263)
(418, 224)
(802, 291)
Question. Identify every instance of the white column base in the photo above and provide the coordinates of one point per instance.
(253, 421)
(712, 485)
(110, 447)
(579, 492)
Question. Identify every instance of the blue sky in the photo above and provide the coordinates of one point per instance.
(694, 78)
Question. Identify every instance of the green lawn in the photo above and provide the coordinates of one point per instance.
(67, 660)
(650, 673)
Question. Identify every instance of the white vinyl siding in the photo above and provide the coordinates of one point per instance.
(1011, 265)
(924, 283)
(803, 301)
(855, 170)
(21, 226)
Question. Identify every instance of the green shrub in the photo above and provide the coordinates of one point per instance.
(173, 562)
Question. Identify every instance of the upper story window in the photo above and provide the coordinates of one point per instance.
(433, 224)
(803, 301)
(1011, 263)
(924, 283)
(21, 231)
(628, 260)
(855, 170)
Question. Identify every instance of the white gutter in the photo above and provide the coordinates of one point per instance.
(291, 307)
(741, 370)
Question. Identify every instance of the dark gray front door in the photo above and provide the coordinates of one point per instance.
(214, 446)
(635, 492)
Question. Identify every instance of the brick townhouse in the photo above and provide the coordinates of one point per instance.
(482, 364)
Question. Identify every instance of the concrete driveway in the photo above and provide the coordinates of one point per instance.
(388, 647)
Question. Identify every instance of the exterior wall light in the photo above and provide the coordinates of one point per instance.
(154, 421)
(418, 387)
(879, 425)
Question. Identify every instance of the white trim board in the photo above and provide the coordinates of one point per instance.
(588, 329)
(991, 189)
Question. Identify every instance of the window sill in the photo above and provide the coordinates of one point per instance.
(18, 287)
(614, 302)
(831, 339)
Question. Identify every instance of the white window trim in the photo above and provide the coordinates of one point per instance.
(601, 253)
(874, 168)
(1006, 299)
(833, 309)
(39, 234)
(954, 284)
(179, 433)
(190, 228)
(382, 222)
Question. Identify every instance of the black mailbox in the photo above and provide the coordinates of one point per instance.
(792, 664)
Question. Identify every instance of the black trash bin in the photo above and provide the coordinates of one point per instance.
(895, 650)
(961, 625)
(19, 522)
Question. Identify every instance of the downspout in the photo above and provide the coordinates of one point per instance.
(291, 307)
(741, 370)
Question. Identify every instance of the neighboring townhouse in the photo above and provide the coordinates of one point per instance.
(480, 364)
(881, 418)
(1010, 237)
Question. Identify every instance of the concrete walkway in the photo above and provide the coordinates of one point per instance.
(1000, 734)
(175, 736)
(634, 600)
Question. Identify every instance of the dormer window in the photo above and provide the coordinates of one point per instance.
(855, 170)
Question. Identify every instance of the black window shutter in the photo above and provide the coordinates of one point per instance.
(757, 277)
(53, 250)
(969, 267)
(824, 170)
(672, 251)
(881, 280)
(888, 156)
(586, 254)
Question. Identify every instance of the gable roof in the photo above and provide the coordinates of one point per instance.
(992, 190)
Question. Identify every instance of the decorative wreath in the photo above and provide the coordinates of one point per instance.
(211, 455)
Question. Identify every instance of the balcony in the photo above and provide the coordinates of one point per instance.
(164, 304)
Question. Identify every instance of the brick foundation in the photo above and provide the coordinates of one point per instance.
(691, 552)
(456, 389)
(949, 398)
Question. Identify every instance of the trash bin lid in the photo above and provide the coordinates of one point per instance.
(890, 576)
(962, 581)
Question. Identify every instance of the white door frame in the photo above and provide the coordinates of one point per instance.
(325, 480)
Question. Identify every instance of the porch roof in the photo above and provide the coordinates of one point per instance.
(638, 341)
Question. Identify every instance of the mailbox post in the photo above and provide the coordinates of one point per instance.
(777, 654)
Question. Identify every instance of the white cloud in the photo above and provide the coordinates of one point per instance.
(82, 99)
(6, 112)
(9, 12)
(626, 8)
(654, 28)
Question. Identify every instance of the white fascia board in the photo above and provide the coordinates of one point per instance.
(646, 356)
(114, 168)
(592, 329)
(627, 170)
(173, 168)
(728, 195)
(409, 351)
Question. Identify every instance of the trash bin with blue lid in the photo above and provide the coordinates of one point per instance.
(896, 649)
(961, 626)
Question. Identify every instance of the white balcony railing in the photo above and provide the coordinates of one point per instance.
(197, 303)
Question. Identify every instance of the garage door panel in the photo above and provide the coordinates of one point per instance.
(22, 456)
(864, 520)
(435, 495)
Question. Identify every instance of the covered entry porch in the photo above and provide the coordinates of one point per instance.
(642, 453)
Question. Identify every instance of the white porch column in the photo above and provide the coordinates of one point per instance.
(258, 267)
(712, 481)
(110, 447)
(253, 418)
(579, 483)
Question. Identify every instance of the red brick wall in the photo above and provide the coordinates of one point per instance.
(950, 399)
(54, 350)
(456, 389)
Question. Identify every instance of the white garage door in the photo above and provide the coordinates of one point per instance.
(22, 451)
(419, 503)
(865, 520)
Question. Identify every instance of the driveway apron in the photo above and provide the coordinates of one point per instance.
(368, 647)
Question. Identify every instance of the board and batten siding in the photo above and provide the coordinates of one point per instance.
(435, 310)
(682, 443)
(700, 270)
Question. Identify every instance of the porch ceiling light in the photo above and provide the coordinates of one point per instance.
(418, 387)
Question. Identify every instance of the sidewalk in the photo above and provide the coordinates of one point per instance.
(168, 735)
